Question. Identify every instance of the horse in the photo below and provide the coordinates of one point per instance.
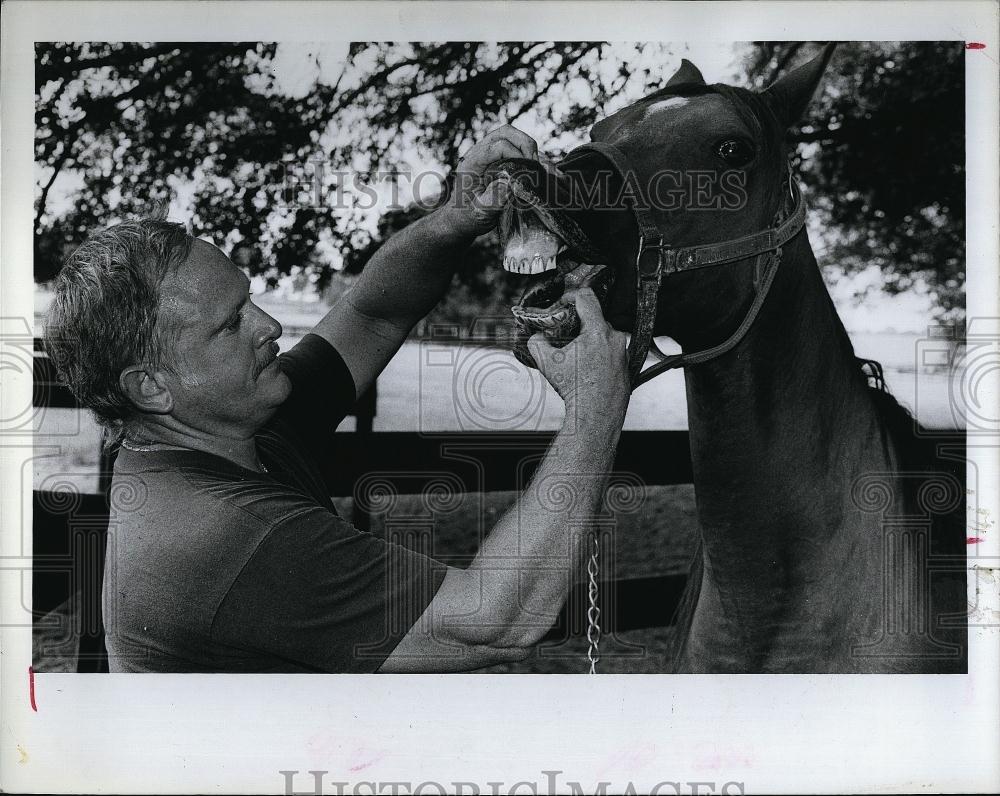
(831, 524)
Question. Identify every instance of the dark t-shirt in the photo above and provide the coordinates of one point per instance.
(212, 567)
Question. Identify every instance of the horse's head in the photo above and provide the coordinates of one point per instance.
(711, 161)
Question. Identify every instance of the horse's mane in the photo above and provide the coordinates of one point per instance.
(933, 466)
(917, 452)
(922, 455)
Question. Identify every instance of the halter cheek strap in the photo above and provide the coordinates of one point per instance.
(656, 258)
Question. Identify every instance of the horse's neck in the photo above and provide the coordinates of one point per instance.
(780, 427)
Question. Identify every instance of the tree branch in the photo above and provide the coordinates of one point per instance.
(383, 74)
(144, 86)
(56, 168)
(46, 72)
(783, 62)
(559, 72)
(839, 135)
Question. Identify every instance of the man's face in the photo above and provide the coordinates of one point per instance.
(226, 378)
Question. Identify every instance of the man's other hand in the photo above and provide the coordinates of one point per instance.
(591, 372)
(475, 203)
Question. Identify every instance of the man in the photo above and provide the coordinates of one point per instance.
(228, 554)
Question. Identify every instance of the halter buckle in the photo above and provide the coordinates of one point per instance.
(649, 243)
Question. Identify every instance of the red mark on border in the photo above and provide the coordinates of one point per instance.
(974, 539)
(31, 688)
(975, 45)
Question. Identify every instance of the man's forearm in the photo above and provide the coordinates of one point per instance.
(402, 282)
(410, 273)
(527, 563)
(513, 591)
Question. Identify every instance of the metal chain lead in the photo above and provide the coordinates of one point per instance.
(593, 611)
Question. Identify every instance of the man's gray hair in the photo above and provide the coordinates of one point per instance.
(103, 316)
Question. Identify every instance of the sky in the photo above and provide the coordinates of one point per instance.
(297, 67)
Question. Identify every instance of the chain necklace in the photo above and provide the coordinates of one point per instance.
(138, 448)
(159, 445)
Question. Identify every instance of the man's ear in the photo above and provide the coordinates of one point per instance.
(146, 389)
(790, 94)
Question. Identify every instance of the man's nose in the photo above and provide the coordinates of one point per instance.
(268, 330)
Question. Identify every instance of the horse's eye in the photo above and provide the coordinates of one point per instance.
(735, 151)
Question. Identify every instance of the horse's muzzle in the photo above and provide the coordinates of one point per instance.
(542, 241)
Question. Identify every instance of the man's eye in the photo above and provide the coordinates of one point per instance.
(735, 151)
(237, 318)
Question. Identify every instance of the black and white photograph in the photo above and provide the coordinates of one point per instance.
(358, 351)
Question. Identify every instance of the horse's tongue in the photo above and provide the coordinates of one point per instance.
(542, 306)
(543, 290)
(584, 275)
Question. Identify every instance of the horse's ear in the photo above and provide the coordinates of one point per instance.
(791, 93)
(687, 73)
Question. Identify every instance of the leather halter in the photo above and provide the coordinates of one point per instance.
(656, 258)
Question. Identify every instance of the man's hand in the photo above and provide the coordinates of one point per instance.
(475, 204)
(591, 372)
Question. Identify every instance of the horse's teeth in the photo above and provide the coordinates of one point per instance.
(524, 265)
(539, 323)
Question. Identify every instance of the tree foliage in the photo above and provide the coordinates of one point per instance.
(121, 127)
(883, 148)
(131, 120)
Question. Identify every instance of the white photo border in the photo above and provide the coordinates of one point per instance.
(235, 733)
